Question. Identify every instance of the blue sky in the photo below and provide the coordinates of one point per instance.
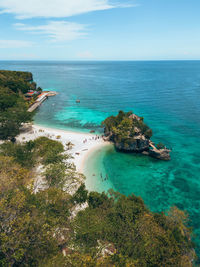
(99, 29)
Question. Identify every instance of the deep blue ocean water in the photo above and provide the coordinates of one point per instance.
(165, 93)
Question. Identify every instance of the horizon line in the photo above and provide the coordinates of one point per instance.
(99, 60)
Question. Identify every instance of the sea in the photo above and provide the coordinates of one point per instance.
(165, 93)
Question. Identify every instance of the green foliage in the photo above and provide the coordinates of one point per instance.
(17, 81)
(45, 144)
(39, 89)
(41, 150)
(81, 195)
(46, 152)
(7, 99)
(49, 150)
(11, 174)
(96, 200)
(12, 118)
(21, 153)
(72, 260)
(25, 233)
(13, 109)
(55, 204)
(160, 146)
(124, 127)
(55, 175)
(33, 227)
(16, 85)
(139, 236)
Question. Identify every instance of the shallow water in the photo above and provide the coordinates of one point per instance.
(165, 93)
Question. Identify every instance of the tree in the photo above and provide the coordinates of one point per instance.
(55, 175)
(29, 223)
(13, 108)
(12, 118)
(141, 238)
(81, 195)
(124, 128)
(22, 154)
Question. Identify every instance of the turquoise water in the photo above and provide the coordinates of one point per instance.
(165, 93)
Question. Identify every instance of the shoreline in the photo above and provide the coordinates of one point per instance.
(83, 143)
(91, 151)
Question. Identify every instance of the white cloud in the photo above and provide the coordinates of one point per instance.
(52, 8)
(57, 31)
(14, 44)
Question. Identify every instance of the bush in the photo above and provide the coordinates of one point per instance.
(160, 146)
(81, 195)
(125, 126)
(55, 175)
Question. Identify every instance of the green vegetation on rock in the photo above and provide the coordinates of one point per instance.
(128, 131)
(126, 125)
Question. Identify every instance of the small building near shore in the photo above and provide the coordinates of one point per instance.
(31, 93)
(41, 97)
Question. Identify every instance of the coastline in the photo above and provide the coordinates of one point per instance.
(80, 150)
(97, 177)
(89, 152)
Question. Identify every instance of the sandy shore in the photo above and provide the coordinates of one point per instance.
(83, 143)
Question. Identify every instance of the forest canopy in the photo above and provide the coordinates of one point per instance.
(13, 108)
(38, 229)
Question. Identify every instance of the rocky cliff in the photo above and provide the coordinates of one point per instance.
(129, 133)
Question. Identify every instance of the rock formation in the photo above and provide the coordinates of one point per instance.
(129, 133)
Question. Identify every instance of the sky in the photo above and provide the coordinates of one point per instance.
(99, 29)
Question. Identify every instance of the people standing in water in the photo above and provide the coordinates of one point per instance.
(106, 177)
(102, 178)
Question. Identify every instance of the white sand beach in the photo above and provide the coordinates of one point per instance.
(83, 143)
